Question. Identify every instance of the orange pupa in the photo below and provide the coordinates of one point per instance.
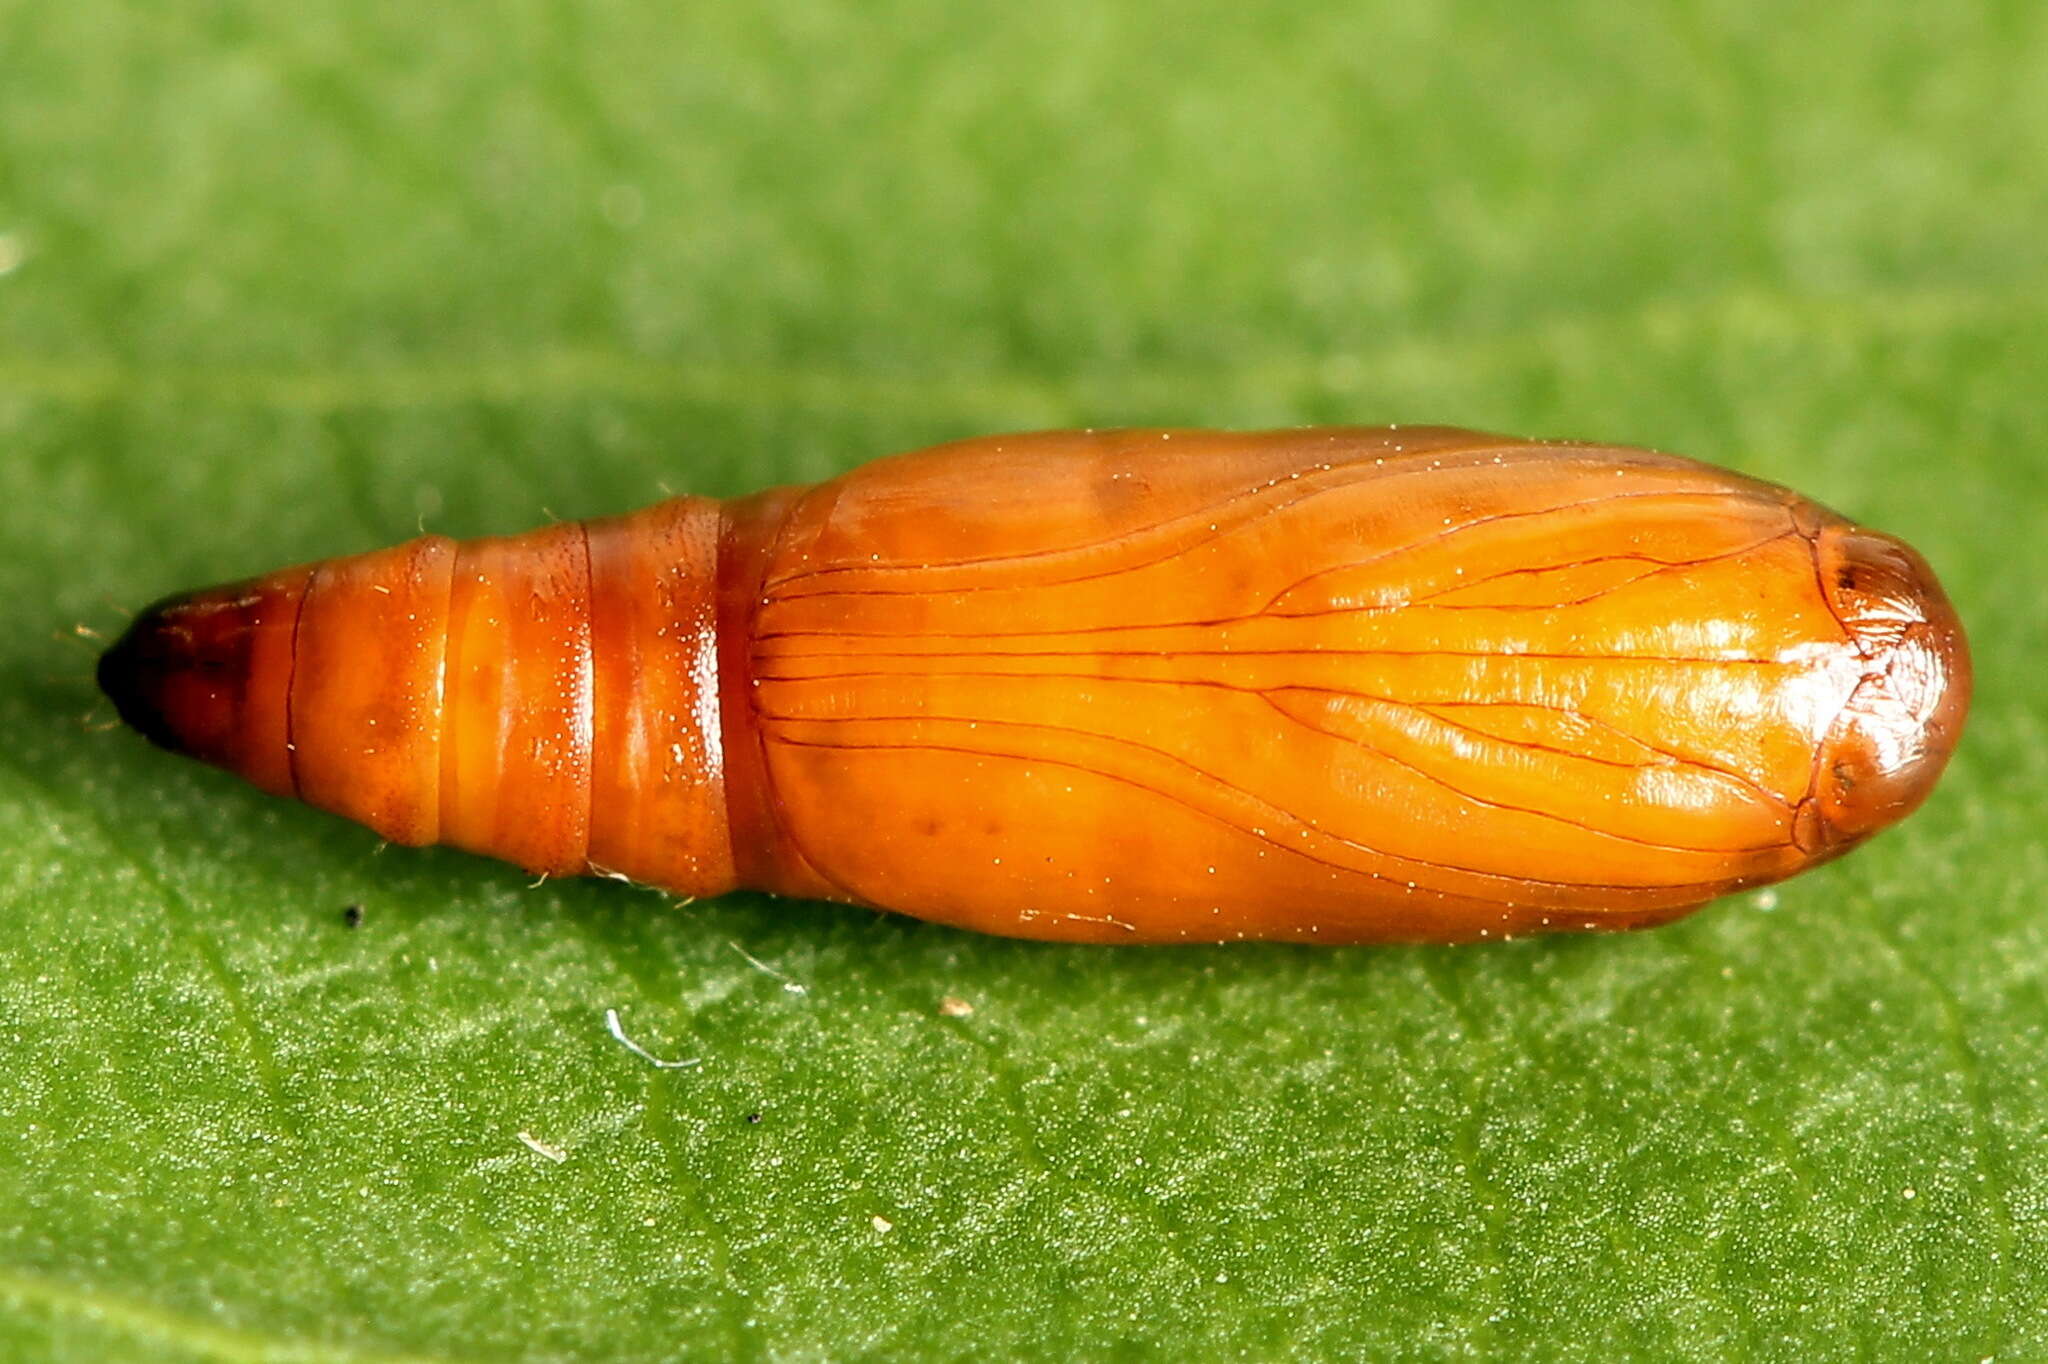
(1328, 685)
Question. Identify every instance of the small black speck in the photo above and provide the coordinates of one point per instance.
(352, 915)
(1845, 578)
(753, 1117)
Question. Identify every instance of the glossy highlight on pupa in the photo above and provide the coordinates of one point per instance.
(1330, 685)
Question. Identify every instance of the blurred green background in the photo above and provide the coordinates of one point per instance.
(278, 282)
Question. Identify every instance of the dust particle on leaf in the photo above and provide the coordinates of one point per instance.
(546, 1150)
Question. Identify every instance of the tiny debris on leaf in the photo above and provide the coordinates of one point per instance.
(952, 1006)
(789, 985)
(618, 1032)
(545, 1150)
(352, 916)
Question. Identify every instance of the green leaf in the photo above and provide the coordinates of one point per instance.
(279, 282)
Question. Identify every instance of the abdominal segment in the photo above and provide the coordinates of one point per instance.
(1334, 686)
